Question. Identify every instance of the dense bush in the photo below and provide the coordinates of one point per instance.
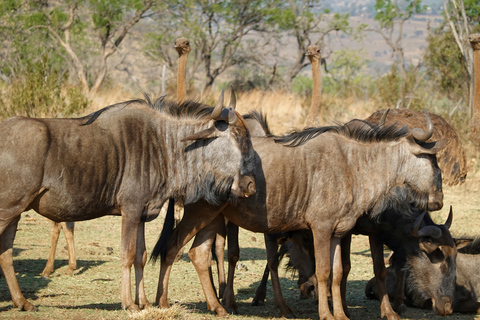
(41, 92)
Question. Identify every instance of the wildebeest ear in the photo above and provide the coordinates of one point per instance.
(202, 135)
(461, 243)
(429, 148)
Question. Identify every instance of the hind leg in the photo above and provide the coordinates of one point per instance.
(6, 262)
(195, 218)
(201, 256)
(54, 232)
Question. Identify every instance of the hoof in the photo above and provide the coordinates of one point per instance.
(28, 307)
(233, 310)
(132, 307)
(221, 312)
(147, 305)
(401, 309)
(257, 303)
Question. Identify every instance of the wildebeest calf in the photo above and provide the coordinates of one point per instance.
(419, 279)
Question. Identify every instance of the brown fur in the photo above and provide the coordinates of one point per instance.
(451, 160)
(125, 159)
(319, 184)
(467, 281)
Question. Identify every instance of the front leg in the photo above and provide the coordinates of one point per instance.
(376, 248)
(140, 261)
(130, 226)
(54, 234)
(69, 230)
(347, 265)
(337, 278)
(233, 250)
(399, 293)
(321, 241)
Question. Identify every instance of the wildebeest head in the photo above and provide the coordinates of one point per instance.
(424, 175)
(228, 126)
(432, 272)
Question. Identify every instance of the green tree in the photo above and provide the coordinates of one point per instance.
(463, 19)
(84, 34)
(304, 20)
(217, 31)
(391, 16)
(445, 64)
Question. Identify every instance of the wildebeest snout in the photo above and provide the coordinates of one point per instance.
(245, 187)
(435, 202)
(444, 306)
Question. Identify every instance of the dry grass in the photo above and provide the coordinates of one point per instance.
(93, 292)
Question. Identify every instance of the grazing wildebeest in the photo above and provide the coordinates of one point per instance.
(451, 160)
(419, 278)
(410, 235)
(323, 180)
(126, 159)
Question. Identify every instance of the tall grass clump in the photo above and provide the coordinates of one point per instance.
(41, 91)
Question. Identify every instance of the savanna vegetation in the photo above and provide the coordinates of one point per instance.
(67, 58)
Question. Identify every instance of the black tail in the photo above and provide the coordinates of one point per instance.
(160, 248)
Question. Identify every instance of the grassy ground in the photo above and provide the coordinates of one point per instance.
(93, 292)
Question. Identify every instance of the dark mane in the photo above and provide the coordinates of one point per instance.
(187, 109)
(261, 118)
(358, 130)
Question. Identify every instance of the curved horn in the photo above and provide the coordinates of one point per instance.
(430, 231)
(418, 133)
(448, 223)
(233, 99)
(383, 118)
(417, 224)
(217, 111)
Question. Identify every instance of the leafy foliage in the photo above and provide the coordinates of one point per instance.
(42, 92)
(445, 65)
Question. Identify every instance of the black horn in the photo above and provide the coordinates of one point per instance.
(219, 107)
(427, 231)
(383, 118)
(417, 224)
(233, 99)
(419, 134)
(448, 223)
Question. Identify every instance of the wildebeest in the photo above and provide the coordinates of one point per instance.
(323, 180)
(419, 278)
(451, 160)
(125, 159)
(410, 235)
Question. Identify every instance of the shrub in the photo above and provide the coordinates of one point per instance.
(41, 92)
